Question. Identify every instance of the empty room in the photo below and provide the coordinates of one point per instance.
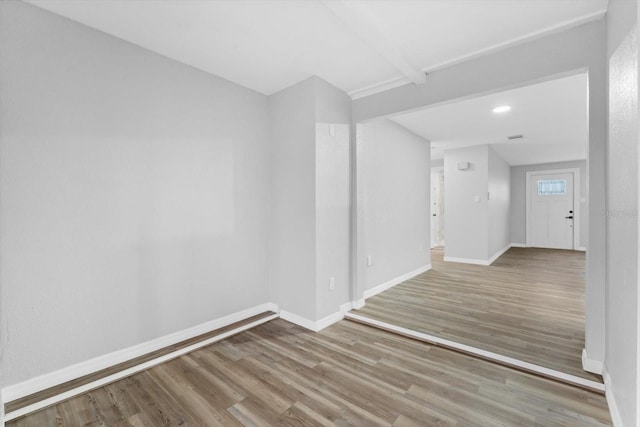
(319, 212)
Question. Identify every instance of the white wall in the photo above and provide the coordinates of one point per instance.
(574, 50)
(292, 243)
(622, 210)
(393, 202)
(466, 221)
(310, 197)
(437, 163)
(333, 119)
(519, 198)
(499, 204)
(133, 194)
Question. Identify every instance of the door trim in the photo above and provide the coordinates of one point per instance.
(576, 203)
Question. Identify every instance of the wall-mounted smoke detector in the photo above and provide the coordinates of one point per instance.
(515, 136)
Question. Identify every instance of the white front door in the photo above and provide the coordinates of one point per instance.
(552, 211)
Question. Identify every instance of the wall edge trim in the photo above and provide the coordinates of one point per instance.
(395, 281)
(591, 365)
(616, 418)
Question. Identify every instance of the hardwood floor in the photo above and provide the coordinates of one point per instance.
(528, 305)
(87, 379)
(279, 374)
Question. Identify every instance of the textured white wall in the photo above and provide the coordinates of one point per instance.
(466, 222)
(133, 194)
(622, 209)
(499, 204)
(393, 202)
(519, 198)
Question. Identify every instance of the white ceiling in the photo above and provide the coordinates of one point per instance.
(552, 116)
(267, 45)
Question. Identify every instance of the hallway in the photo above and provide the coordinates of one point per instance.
(528, 305)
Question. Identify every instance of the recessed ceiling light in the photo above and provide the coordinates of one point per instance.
(502, 109)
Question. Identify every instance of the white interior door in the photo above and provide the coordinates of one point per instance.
(437, 208)
(434, 209)
(552, 210)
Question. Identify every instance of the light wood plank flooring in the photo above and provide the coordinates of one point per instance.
(279, 374)
(528, 305)
(87, 379)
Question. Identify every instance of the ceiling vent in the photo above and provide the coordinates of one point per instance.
(515, 136)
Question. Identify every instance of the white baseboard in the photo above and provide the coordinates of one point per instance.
(329, 320)
(505, 360)
(140, 367)
(581, 248)
(466, 260)
(298, 320)
(518, 245)
(357, 304)
(393, 282)
(42, 382)
(591, 365)
(479, 261)
(616, 418)
(498, 254)
(317, 325)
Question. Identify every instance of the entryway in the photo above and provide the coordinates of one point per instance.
(552, 204)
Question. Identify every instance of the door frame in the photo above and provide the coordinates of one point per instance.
(436, 170)
(576, 204)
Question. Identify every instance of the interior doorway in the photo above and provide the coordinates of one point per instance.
(502, 296)
(437, 207)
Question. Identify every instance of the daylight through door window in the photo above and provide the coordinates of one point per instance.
(550, 187)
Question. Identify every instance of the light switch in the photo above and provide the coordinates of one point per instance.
(476, 199)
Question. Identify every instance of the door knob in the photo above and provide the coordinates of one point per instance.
(569, 217)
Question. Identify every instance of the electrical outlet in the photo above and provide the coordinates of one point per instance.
(369, 260)
(332, 283)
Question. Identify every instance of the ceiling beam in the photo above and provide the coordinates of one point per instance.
(359, 18)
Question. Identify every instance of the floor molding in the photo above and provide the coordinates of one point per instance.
(483, 354)
(357, 304)
(320, 324)
(498, 254)
(298, 320)
(518, 245)
(591, 365)
(474, 261)
(466, 260)
(94, 365)
(611, 401)
(396, 281)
